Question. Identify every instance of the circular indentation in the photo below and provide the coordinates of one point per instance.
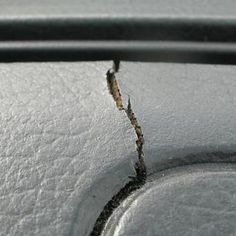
(198, 200)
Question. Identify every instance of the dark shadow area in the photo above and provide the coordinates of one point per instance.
(167, 159)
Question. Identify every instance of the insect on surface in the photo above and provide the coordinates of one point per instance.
(114, 89)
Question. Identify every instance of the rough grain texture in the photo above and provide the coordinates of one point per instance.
(65, 150)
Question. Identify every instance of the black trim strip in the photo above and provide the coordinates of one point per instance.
(126, 28)
(167, 51)
(188, 40)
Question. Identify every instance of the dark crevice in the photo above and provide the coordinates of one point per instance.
(117, 199)
(195, 158)
(140, 168)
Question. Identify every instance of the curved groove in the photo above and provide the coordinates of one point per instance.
(195, 158)
(162, 176)
(138, 181)
(116, 200)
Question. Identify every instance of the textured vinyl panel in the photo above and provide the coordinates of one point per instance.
(65, 150)
(184, 109)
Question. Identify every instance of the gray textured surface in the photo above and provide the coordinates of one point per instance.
(64, 147)
(123, 8)
(183, 109)
(189, 201)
